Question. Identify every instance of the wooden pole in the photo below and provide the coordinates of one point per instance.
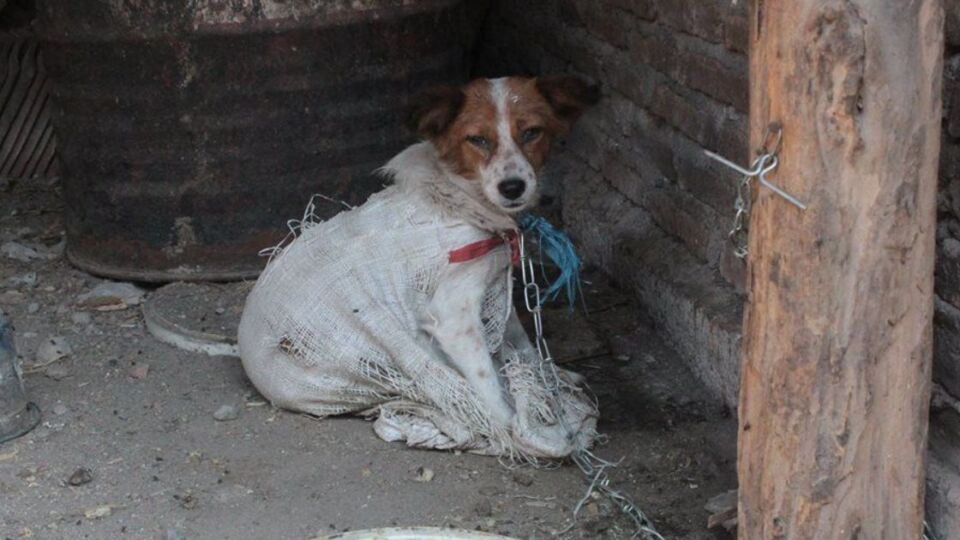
(837, 330)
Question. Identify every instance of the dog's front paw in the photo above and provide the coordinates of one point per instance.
(541, 440)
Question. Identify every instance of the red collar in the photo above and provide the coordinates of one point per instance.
(482, 247)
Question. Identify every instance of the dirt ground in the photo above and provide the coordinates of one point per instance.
(139, 416)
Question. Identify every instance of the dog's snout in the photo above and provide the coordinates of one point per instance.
(512, 188)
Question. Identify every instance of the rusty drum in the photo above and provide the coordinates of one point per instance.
(190, 132)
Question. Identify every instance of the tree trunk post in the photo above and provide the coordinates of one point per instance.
(836, 366)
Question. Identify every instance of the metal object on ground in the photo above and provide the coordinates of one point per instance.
(594, 468)
(18, 415)
(198, 317)
(190, 131)
(413, 533)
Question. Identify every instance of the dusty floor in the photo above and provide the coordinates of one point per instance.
(163, 467)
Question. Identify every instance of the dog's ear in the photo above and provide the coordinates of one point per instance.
(433, 110)
(568, 95)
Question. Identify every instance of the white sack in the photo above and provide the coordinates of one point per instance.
(334, 325)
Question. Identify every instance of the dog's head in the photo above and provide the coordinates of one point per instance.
(497, 133)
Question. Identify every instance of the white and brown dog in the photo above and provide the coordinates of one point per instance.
(325, 331)
(492, 138)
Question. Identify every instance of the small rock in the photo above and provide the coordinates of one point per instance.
(187, 501)
(60, 409)
(522, 478)
(57, 372)
(29, 279)
(81, 317)
(80, 477)
(52, 349)
(98, 512)
(19, 252)
(33, 307)
(111, 296)
(226, 413)
(483, 508)
(219, 311)
(424, 474)
(140, 371)
(50, 252)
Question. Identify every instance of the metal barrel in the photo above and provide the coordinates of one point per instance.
(190, 132)
(18, 415)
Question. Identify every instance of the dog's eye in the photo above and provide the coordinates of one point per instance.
(530, 134)
(479, 141)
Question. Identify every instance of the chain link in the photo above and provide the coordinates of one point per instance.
(592, 466)
(741, 206)
(765, 162)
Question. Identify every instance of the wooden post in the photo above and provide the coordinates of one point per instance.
(837, 329)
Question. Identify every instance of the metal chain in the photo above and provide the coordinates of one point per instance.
(741, 206)
(766, 161)
(592, 466)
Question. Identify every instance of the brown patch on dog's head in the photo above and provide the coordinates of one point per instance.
(432, 110)
(568, 95)
(499, 131)
(471, 139)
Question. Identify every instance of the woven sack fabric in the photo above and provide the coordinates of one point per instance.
(335, 325)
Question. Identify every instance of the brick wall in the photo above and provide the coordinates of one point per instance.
(638, 193)
(943, 463)
(947, 319)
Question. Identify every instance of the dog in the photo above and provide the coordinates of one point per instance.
(317, 337)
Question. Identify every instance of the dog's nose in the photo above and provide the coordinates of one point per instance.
(512, 188)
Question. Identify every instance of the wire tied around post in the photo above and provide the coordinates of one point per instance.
(766, 162)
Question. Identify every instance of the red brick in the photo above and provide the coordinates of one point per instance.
(658, 151)
(951, 10)
(700, 18)
(616, 169)
(706, 180)
(733, 136)
(682, 216)
(608, 22)
(728, 83)
(704, 19)
(692, 120)
(656, 47)
(644, 9)
(736, 30)
(633, 80)
(696, 66)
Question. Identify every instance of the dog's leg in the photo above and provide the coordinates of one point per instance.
(516, 336)
(456, 325)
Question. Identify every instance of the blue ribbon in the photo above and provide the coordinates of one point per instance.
(558, 247)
